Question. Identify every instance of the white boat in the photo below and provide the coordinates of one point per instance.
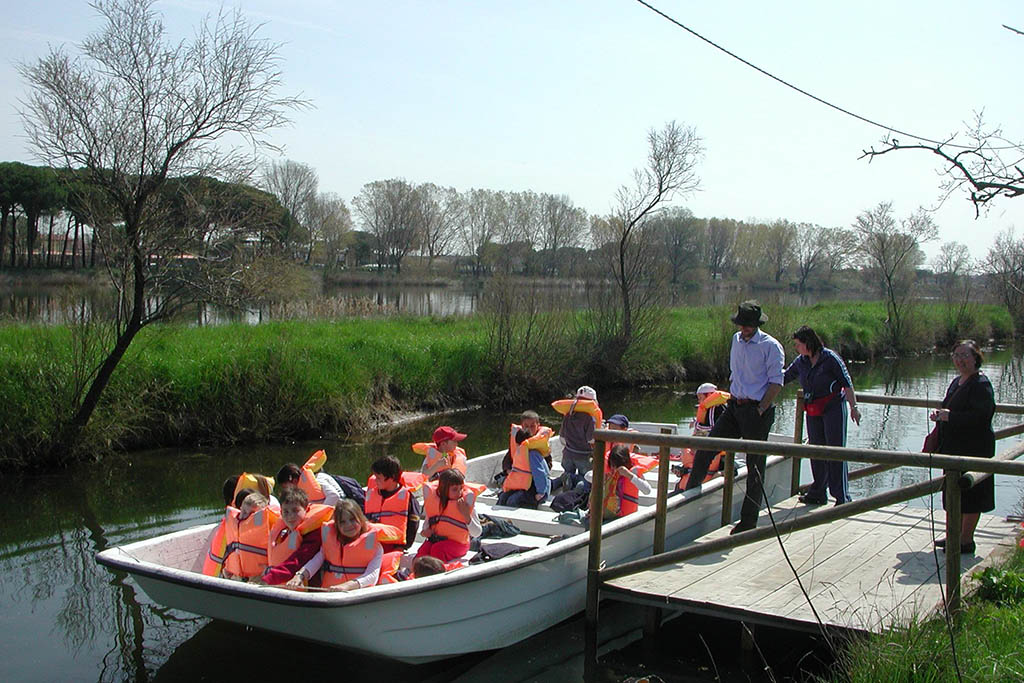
(480, 607)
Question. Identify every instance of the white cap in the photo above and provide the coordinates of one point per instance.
(586, 392)
(706, 388)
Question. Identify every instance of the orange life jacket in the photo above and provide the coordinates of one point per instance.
(564, 406)
(521, 476)
(621, 496)
(247, 480)
(307, 479)
(284, 541)
(389, 566)
(247, 541)
(344, 562)
(715, 398)
(633, 448)
(392, 511)
(449, 523)
(431, 456)
(214, 559)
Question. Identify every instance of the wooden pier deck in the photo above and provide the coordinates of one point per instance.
(863, 573)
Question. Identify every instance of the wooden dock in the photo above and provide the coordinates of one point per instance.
(862, 573)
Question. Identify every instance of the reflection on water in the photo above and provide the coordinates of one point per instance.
(55, 305)
(62, 617)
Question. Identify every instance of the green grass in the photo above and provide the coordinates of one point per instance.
(180, 385)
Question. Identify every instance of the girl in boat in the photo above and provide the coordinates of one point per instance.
(350, 554)
(450, 519)
(624, 482)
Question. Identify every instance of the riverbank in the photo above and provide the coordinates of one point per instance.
(232, 384)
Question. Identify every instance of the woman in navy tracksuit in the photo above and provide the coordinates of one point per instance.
(827, 391)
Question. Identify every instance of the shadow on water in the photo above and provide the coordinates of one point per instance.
(62, 617)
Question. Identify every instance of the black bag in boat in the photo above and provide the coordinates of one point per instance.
(496, 551)
(497, 528)
(565, 501)
(352, 489)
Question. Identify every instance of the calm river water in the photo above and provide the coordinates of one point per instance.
(63, 617)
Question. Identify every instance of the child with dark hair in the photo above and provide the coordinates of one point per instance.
(449, 516)
(319, 486)
(390, 502)
(295, 537)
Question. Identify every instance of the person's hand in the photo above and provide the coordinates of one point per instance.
(540, 497)
(623, 471)
(296, 581)
(940, 415)
(345, 587)
(855, 415)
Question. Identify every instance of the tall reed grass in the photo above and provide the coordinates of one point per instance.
(236, 383)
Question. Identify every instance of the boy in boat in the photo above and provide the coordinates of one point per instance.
(620, 422)
(444, 453)
(390, 501)
(582, 415)
(294, 538)
(710, 405)
(528, 482)
(320, 487)
(247, 536)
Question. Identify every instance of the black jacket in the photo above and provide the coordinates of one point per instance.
(969, 430)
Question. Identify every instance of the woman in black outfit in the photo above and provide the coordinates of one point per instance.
(965, 428)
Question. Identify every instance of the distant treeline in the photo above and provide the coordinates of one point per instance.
(189, 386)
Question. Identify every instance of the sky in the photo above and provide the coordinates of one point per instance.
(558, 96)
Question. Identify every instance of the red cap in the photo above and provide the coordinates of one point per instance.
(447, 434)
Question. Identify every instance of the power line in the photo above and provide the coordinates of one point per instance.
(798, 89)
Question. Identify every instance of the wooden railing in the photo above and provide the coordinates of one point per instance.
(959, 473)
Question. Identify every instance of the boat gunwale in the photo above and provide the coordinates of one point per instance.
(114, 558)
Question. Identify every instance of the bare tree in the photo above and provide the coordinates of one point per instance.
(719, 240)
(484, 212)
(842, 249)
(982, 161)
(134, 110)
(389, 210)
(671, 170)
(1005, 268)
(810, 252)
(954, 271)
(561, 225)
(678, 233)
(295, 186)
(892, 252)
(329, 223)
(441, 211)
(779, 246)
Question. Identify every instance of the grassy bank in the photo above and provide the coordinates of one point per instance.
(235, 383)
(987, 642)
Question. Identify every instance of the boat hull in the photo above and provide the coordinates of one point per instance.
(481, 607)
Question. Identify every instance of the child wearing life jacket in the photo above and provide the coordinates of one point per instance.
(390, 501)
(449, 522)
(582, 415)
(528, 480)
(620, 422)
(350, 554)
(247, 536)
(295, 537)
(443, 453)
(624, 483)
(710, 404)
(320, 487)
(253, 482)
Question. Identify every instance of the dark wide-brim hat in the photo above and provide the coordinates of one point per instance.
(749, 313)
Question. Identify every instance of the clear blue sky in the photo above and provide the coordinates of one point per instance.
(558, 96)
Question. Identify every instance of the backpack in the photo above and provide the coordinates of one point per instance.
(351, 489)
(570, 500)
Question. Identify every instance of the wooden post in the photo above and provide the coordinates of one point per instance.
(798, 437)
(652, 622)
(953, 517)
(730, 477)
(594, 563)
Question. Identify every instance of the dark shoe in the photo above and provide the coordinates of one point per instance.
(810, 500)
(741, 527)
(843, 502)
(968, 548)
(940, 543)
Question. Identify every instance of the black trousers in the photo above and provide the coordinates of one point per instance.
(739, 421)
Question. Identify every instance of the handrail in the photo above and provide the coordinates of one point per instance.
(884, 399)
(963, 463)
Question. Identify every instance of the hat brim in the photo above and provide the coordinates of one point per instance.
(748, 320)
